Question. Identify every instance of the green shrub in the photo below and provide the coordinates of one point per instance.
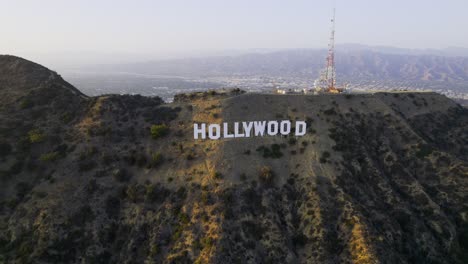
(51, 156)
(274, 152)
(330, 111)
(158, 131)
(181, 193)
(190, 156)
(253, 229)
(292, 141)
(22, 188)
(86, 165)
(5, 149)
(155, 193)
(424, 151)
(299, 240)
(217, 175)
(184, 218)
(83, 215)
(120, 175)
(156, 159)
(141, 160)
(26, 103)
(66, 117)
(324, 157)
(36, 136)
(243, 177)
(112, 207)
(16, 168)
(154, 250)
(207, 242)
(132, 193)
(266, 175)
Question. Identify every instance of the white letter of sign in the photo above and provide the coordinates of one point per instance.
(259, 128)
(247, 128)
(201, 131)
(272, 128)
(214, 131)
(300, 128)
(285, 127)
(237, 134)
(226, 131)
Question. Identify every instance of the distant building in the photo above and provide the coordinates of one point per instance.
(289, 91)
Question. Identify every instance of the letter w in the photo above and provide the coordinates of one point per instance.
(259, 127)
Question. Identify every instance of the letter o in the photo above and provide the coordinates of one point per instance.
(214, 131)
(272, 128)
(285, 127)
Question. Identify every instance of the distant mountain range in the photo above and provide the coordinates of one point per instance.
(352, 61)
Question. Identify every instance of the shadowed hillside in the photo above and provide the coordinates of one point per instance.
(378, 178)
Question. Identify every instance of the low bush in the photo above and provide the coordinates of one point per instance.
(424, 151)
(5, 149)
(292, 141)
(132, 192)
(274, 152)
(51, 156)
(112, 207)
(86, 165)
(121, 175)
(141, 160)
(330, 111)
(22, 188)
(217, 175)
(158, 131)
(156, 159)
(266, 175)
(325, 156)
(36, 136)
(155, 193)
(190, 156)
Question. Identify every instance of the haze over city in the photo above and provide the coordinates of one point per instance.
(83, 32)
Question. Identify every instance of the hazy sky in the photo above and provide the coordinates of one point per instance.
(158, 27)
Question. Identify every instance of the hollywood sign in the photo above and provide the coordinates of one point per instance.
(248, 129)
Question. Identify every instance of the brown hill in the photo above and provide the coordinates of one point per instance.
(378, 178)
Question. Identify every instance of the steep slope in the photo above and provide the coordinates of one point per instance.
(378, 178)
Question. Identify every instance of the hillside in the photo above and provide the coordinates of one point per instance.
(378, 178)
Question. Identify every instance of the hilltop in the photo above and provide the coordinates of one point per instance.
(378, 178)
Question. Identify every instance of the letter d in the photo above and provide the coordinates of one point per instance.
(301, 127)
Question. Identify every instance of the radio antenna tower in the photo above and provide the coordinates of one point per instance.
(327, 80)
(330, 70)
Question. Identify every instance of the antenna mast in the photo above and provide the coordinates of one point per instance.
(330, 70)
(327, 80)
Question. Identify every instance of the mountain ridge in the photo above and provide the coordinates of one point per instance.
(351, 64)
